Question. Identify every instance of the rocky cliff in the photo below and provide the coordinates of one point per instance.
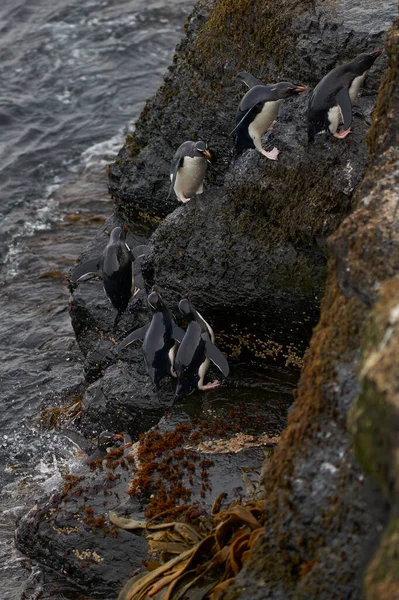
(258, 250)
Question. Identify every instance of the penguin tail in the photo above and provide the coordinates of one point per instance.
(117, 319)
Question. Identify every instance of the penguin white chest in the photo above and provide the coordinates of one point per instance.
(334, 118)
(355, 86)
(190, 177)
(264, 119)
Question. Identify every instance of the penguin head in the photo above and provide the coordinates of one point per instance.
(285, 89)
(364, 61)
(118, 233)
(187, 309)
(107, 439)
(155, 301)
(201, 150)
(184, 387)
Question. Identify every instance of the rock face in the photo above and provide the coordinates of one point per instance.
(325, 517)
(69, 532)
(253, 249)
(255, 241)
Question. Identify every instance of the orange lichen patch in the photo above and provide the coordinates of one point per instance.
(306, 567)
(383, 113)
(95, 521)
(97, 219)
(382, 576)
(163, 463)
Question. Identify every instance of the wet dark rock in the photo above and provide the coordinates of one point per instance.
(71, 533)
(330, 526)
(124, 399)
(255, 241)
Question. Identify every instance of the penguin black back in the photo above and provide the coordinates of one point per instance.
(159, 344)
(195, 352)
(331, 100)
(190, 354)
(160, 339)
(117, 270)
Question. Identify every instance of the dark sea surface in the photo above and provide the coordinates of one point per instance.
(74, 76)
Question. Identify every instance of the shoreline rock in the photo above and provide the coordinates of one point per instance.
(267, 227)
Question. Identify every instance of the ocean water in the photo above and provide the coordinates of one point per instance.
(74, 77)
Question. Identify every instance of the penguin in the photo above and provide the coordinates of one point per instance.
(160, 338)
(188, 170)
(115, 266)
(258, 111)
(194, 352)
(330, 103)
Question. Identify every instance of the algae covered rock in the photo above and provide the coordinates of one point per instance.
(321, 541)
(255, 241)
(72, 534)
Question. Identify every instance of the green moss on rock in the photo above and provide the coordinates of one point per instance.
(382, 581)
(383, 110)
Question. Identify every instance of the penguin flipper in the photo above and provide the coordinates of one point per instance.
(240, 121)
(138, 334)
(176, 164)
(214, 354)
(345, 104)
(248, 79)
(139, 251)
(178, 333)
(86, 270)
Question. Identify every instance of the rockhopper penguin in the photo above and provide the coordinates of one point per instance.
(330, 103)
(258, 111)
(115, 266)
(188, 170)
(194, 352)
(160, 338)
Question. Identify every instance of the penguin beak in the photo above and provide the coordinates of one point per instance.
(118, 436)
(299, 89)
(208, 155)
(378, 52)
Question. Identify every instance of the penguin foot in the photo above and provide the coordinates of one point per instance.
(342, 134)
(272, 126)
(184, 200)
(210, 386)
(272, 155)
